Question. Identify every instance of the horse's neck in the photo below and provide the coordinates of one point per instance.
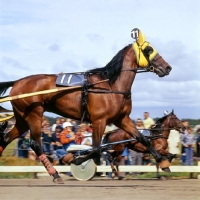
(166, 131)
(126, 78)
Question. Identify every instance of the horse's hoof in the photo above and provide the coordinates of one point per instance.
(164, 164)
(158, 177)
(120, 178)
(113, 175)
(172, 157)
(163, 178)
(58, 180)
(166, 169)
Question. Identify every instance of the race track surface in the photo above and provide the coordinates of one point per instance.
(45, 189)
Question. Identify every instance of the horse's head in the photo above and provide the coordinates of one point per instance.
(159, 66)
(174, 122)
(147, 56)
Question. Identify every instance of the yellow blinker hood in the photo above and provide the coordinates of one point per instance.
(140, 45)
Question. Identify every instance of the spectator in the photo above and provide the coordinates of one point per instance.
(23, 145)
(55, 125)
(141, 158)
(197, 126)
(67, 138)
(147, 120)
(183, 155)
(124, 157)
(188, 141)
(62, 120)
(174, 142)
(87, 135)
(198, 144)
(89, 128)
(79, 136)
(55, 140)
(46, 137)
(136, 157)
(75, 126)
(31, 153)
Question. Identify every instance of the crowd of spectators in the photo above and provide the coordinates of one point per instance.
(65, 132)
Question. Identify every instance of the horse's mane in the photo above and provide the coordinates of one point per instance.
(160, 120)
(113, 68)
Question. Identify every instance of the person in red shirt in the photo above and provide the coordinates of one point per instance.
(67, 138)
(79, 136)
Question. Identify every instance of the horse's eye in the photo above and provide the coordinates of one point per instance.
(148, 50)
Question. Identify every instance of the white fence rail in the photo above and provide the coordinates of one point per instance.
(100, 168)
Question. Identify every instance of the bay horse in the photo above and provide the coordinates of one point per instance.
(107, 102)
(159, 133)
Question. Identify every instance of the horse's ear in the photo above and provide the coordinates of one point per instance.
(138, 36)
(172, 111)
(141, 38)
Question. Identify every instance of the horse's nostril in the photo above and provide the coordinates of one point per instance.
(168, 68)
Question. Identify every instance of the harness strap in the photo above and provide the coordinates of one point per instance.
(109, 91)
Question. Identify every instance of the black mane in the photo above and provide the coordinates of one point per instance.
(160, 120)
(113, 68)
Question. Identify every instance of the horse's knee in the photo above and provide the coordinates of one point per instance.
(97, 151)
(36, 147)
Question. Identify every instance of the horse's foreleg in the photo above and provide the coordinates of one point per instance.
(36, 146)
(114, 171)
(157, 171)
(164, 152)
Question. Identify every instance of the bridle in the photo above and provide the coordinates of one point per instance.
(149, 68)
(158, 134)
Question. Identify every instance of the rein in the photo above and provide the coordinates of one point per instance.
(149, 69)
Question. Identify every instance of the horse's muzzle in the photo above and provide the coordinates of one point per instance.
(168, 69)
(161, 71)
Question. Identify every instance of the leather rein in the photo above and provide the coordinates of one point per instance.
(160, 135)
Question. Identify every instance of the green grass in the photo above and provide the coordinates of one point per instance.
(172, 175)
(9, 151)
(15, 161)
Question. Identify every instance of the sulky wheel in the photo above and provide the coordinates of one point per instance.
(84, 171)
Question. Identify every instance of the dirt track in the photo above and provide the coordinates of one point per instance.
(29, 189)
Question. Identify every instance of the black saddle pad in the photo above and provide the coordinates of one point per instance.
(70, 79)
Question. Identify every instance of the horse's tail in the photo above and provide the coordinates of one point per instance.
(5, 85)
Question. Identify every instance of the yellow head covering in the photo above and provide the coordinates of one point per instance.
(140, 45)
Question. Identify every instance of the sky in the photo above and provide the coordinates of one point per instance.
(51, 36)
